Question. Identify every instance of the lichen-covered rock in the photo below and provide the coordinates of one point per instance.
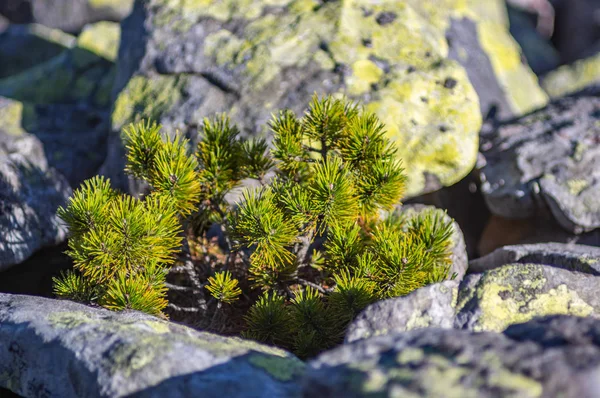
(506, 86)
(64, 349)
(30, 192)
(515, 293)
(569, 79)
(24, 46)
(550, 158)
(578, 258)
(432, 306)
(84, 73)
(182, 61)
(553, 357)
(66, 15)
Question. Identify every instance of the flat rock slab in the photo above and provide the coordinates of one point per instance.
(548, 158)
(552, 357)
(64, 349)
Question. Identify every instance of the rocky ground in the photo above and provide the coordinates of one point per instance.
(498, 123)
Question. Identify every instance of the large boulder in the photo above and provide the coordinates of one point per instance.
(66, 15)
(30, 191)
(547, 159)
(63, 349)
(515, 293)
(182, 61)
(551, 357)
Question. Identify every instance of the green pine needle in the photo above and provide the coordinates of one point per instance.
(223, 287)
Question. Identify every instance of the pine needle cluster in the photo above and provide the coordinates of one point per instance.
(121, 246)
(304, 252)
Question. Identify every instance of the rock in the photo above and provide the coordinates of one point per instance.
(578, 258)
(84, 73)
(432, 306)
(24, 46)
(547, 159)
(502, 231)
(554, 357)
(65, 101)
(569, 79)
(181, 62)
(505, 85)
(541, 55)
(30, 192)
(66, 15)
(516, 293)
(65, 349)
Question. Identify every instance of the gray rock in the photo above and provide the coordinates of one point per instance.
(548, 158)
(579, 258)
(63, 349)
(556, 357)
(66, 15)
(24, 46)
(432, 306)
(516, 293)
(30, 193)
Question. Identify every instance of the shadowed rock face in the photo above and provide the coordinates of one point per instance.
(550, 158)
(30, 193)
(549, 357)
(63, 349)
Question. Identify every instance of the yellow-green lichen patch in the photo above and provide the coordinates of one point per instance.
(11, 114)
(283, 369)
(55, 36)
(577, 185)
(517, 80)
(571, 78)
(101, 39)
(146, 97)
(517, 293)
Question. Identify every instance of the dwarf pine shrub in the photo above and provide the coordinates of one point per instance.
(303, 252)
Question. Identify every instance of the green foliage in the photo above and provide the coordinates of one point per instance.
(121, 246)
(310, 247)
(223, 287)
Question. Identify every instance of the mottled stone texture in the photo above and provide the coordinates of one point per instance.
(62, 349)
(552, 357)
